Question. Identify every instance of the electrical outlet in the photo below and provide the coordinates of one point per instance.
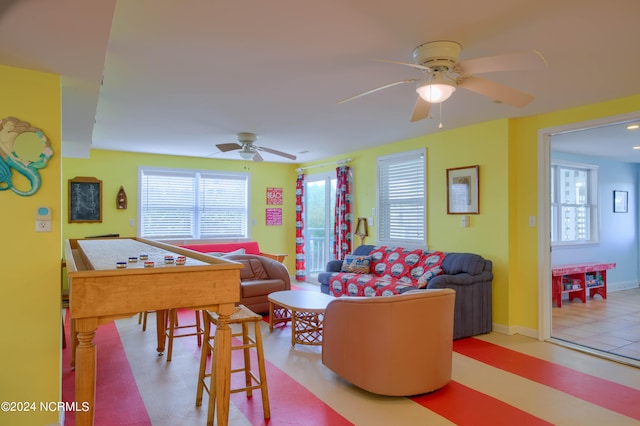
(43, 226)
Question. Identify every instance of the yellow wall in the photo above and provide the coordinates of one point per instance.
(522, 302)
(115, 169)
(484, 144)
(30, 261)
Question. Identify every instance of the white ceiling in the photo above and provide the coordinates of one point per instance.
(183, 76)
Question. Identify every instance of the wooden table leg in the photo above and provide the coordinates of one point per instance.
(294, 324)
(85, 386)
(222, 361)
(73, 335)
(161, 324)
(270, 316)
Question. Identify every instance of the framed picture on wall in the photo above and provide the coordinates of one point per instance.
(620, 201)
(85, 200)
(463, 190)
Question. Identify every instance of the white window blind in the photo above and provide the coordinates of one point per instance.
(187, 204)
(574, 206)
(401, 198)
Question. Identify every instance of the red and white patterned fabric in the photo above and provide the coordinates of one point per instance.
(350, 284)
(343, 217)
(300, 257)
(392, 271)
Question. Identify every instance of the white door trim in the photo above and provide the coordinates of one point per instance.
(544, 208)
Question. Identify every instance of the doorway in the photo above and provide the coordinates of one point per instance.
(319, 219)
(545, 253)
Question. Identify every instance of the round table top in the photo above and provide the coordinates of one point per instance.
(301, 300)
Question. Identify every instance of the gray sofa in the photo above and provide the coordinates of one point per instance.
(470, 275)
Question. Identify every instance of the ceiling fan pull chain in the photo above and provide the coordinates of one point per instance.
(440, 124)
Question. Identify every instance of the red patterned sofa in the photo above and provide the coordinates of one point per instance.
(395, 270)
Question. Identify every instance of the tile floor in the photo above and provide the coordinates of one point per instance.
(611, 325)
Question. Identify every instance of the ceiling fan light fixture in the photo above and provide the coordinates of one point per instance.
(247, 152)
(435, 92)
(436, 89)
(247, 155)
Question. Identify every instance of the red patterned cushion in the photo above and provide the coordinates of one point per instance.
(348, 284)
(394, 262)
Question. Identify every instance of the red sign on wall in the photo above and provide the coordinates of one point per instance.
(274, 217)
(274, 196)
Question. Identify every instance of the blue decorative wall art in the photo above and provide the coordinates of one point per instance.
(23, 149)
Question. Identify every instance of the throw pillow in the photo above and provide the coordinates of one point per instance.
(253, 270)
(222, 254)
(356, 264)
(423, 281)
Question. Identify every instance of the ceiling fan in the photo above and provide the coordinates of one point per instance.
(248, 150)
(443, 73)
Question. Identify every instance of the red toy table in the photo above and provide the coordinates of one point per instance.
(575, 279)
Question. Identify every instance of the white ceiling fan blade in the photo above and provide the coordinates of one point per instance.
(408, 64)
(276, 152)
(420, 110)
(257, 157)
(497, 91)
(513, 62)
(368, 92)
(224, 147)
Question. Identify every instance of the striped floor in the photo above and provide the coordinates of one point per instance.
(497, 380)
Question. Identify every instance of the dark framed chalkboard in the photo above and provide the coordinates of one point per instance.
(85, 200)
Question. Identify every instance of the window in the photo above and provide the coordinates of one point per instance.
(402, 198)
(574, 206)
(190, 204)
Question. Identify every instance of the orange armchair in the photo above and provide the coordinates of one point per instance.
(397, 345)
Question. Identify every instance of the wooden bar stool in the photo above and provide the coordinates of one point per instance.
(142, 319)
(172, 326)
(243, 316)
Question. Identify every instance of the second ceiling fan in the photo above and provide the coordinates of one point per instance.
(443, 73)
(248, 150)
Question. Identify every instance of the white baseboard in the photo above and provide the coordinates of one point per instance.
(516, 329)
(622, 285)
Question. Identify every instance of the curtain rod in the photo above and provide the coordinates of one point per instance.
(339, 162)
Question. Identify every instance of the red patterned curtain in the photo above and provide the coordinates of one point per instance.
(342, 231)
(300, 267)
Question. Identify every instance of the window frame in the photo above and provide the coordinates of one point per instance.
(556, 205)
(197, 213)
(383, 236)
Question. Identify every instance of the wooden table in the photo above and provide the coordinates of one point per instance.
(305, 310)
(579, 277)
(100, 292)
